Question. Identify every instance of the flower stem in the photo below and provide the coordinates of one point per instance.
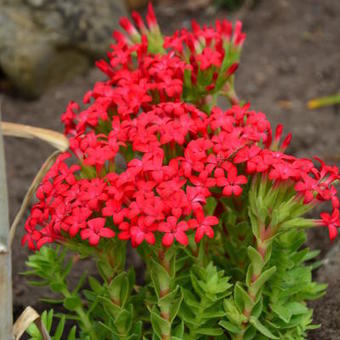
(86, 322)
(83, 317)
(262, 249)
(165, 308)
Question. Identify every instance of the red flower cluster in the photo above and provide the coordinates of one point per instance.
(149, 156)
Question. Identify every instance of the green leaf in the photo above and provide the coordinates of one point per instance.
(261, 328)
(72, 303)
(67, 269)
(110, 307)
(257, 309)
(105, 270)
(178, 331)
(176, 305)
(264, 277)
(52, 301)
(57, 286)
(160, 278)
(210, 331)
(95, 285)
(168, 299)
(123, 321)
(80, 283)
(190, 299)
(254, 223)
(41, 283)
(297, 308)
(242, 299)
(298, 222)
(311, 254)
(60, 329)
(137, 331)
(210, 206)
(251, 333)
(256, 260)
(119, 288)
(34, 332)
(215, 311)
(131, 275)
(107, 328)
(324, 101)
(47, 319)
(233, 313)
(159, 325)
(196, 285)
(281, 311)
(230, 327)
(186, 313)
(72, 334)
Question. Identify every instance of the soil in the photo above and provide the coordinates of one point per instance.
(290, 56)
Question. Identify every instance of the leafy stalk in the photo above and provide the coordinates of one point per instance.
(50, 267)
(202, 307)
(168, 294)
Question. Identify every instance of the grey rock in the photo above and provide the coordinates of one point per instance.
(44, 42)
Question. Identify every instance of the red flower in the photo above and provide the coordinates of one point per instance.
(139, 232)
(96, 230)
(77, 220)
(208, 58)
(114, 208)
(331, 222)
(147, 159)
(93, 192)
(173, 230)
(306, 187)
(202, 225)
(231, 184)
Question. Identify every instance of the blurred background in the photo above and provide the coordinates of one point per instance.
(291, 55)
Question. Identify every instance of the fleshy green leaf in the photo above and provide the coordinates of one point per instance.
(160, 278)
(260, 281)
(159, 325)
(242, 299)
(123, 321)
(60, 329)
(210, 331)
(230, 327)
(256, 260)
(261, 328)
(190, 299)
(233, 313)
(72, 334)
(72, 302)
(179, 331)
(282, 312)
(210, 206)
(95, 285)
(57, 286)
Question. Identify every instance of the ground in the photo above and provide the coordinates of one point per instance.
(290, 56)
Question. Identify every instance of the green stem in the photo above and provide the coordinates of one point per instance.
(82, 316)
(165, 308)
(261, 247)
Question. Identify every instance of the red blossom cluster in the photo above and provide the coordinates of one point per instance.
(149, 154)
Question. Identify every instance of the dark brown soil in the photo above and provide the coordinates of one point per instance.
(290, 56)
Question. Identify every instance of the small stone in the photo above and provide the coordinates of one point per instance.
(43, 43)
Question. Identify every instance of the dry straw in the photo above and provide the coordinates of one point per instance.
(29, 315)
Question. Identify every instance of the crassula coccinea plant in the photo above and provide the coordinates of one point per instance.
(207, 196)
